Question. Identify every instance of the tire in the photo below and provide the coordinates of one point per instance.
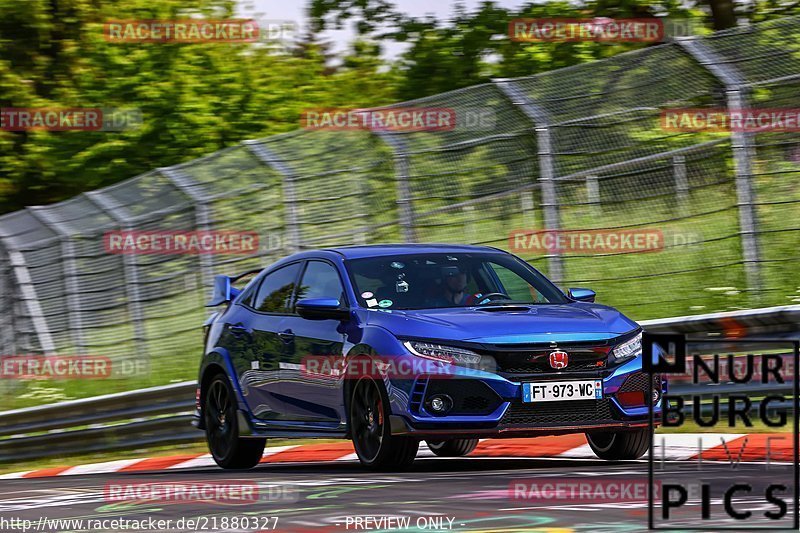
(376, 447)
(229, 450)
(620, 445)
(452, 448)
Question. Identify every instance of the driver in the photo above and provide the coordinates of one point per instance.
(454, 284)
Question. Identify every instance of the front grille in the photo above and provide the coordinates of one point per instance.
(538, 362)
(474, 404)
(578, 412)
(638, 382)
(633, 392)
(470, 396)
(417, 394)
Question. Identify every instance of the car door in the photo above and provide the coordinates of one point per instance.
(311, 391)
(259, 326)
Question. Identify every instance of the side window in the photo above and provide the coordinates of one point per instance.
(246, 298)
(516, 287)
(321, 280)
(276, 290)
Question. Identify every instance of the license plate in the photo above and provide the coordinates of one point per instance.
(554, 391)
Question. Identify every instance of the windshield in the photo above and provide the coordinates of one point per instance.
(426, 281)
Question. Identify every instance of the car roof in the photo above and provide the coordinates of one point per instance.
(379, 250)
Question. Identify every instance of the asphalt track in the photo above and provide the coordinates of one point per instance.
(475, 493)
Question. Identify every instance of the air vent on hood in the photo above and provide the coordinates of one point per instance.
(504, 308)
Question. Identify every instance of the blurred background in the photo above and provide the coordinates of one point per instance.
(571, 138)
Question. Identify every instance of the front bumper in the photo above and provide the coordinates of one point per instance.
(490, 405)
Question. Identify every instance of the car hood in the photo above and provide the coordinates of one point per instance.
(522, 324)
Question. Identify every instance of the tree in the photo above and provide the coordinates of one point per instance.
(194, 98)
(723, 14)
(474, 46)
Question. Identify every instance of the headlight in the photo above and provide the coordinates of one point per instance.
(629, 348)
(447, 354)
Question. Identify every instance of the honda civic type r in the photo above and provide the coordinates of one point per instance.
(390, 345)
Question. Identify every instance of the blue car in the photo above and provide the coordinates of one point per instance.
(390, 345)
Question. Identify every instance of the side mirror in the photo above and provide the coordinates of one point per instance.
(582, 295)
(321, 309)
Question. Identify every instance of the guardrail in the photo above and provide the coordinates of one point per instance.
(144, 417)
(162, 415)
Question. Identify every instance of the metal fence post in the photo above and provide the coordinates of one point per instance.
(742, 145)
(528, 210)
(28, 294)
(8, 325)
(183, 183)
(405, 207)
(593, 194)
(270, 159)
(129, 268)
(7, 297)
(681, 180)
(547, 172)
(70, 271)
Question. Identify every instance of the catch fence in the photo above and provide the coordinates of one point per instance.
(580, 148)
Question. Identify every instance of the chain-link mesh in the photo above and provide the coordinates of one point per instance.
(576, 149)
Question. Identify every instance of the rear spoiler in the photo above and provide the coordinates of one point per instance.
(224, 291)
